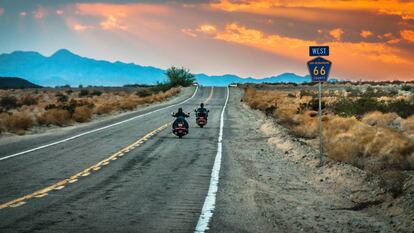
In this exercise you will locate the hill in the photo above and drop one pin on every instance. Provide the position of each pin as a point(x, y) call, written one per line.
point(16, 83)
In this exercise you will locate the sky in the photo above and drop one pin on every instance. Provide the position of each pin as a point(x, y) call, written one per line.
point(369, 40)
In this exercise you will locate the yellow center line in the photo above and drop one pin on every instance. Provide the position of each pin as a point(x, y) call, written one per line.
point(86, 172)
point(61, 184)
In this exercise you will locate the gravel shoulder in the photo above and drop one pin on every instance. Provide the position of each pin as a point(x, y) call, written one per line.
point(270, 183)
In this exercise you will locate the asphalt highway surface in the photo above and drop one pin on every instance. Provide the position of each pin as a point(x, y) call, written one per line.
point(125, 174)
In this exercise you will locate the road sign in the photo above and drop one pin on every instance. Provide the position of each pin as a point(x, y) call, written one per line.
point(319, 69)
point(318, 51)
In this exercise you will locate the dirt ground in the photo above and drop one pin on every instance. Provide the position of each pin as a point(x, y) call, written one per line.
point(270, 182)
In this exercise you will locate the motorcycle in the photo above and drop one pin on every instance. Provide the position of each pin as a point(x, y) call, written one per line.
point(201, 119)
point(180, 128)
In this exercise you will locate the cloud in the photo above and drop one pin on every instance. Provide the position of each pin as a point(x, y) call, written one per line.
point(1, 11)
point(120, 16)
point(366, 33)
point(404, 9)
point(40, 13)
point(112, 22)
point(368, 55)
point(407, 35)
point(206, 28)
point(23, 14)
point(59, 12)
point(336, 33)
point(189, 32)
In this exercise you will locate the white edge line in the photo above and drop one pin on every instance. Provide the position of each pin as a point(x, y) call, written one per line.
point(210, 201)
point(94, 130)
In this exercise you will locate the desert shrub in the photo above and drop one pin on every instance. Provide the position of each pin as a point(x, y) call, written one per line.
point(61, 97)
point(308, 93)
point(313, 105)
point(306, 125)
point(83, 93)
point(179, 77)
point(407, 127)
point(403, 108)
point(143, 92)
point(105, 108)
point(59, 117)
point(347, 107)
point(378, 118)
point(9, 102)
point(82, 114)
point(69, 91)
point(407, 88)
point(354, 142)
point(128, 105)
point(160, 87)
point(96, 93)
point(18, 123)
point(28, 100)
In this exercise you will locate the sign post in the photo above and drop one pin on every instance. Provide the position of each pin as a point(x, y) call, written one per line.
point(319, 69)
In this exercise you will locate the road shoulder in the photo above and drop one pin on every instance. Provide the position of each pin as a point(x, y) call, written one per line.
point(262, 191)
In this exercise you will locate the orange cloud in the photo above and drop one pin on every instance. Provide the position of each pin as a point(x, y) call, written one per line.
point(407, 35)
point(366, 33)
point(404, 9)
point(206, 28)
point(336, 33)
point(368, 55)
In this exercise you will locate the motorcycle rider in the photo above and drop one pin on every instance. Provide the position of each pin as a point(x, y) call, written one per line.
point(180, 115)
point(202, 111)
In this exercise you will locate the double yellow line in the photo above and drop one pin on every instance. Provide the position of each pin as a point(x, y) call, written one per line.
point(86, 172)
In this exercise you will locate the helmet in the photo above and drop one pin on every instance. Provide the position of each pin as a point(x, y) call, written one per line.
point(202, 105)
point(180, 110)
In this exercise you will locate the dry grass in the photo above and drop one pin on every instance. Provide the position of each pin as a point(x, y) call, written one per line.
point(378, 118)
point(17, 123)
point(61, 107)
point(59, 117)
point(378, 141)
point(82, 114)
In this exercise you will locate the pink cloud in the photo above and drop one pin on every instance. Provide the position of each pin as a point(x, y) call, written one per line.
point(40, 13)
point(23, 14)
point(59, 12)
point(1, 11)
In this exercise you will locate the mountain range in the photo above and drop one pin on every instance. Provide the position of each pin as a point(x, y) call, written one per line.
point(67, 68)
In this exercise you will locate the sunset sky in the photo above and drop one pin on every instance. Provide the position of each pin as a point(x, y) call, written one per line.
point(370, 40)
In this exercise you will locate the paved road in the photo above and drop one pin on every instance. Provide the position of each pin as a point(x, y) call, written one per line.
point(95, 184)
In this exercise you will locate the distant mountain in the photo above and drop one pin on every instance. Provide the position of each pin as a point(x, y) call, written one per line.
point(16, 83)
point(65, 67)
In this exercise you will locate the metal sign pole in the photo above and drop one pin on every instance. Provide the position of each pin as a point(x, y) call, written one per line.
point(319, 69)
point(320, 125)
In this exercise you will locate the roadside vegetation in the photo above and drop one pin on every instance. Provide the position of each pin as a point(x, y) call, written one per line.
point(371, 128)
point(23, 109)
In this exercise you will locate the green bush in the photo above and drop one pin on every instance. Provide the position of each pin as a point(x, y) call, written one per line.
point(179, 77)
point(160, 87)
point(345, 107)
